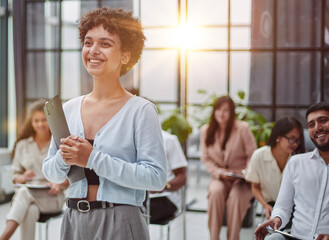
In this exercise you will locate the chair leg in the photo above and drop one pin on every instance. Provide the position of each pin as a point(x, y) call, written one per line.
point(47, 230)
point(168, 232)
point(39, 230)
point(184, 226)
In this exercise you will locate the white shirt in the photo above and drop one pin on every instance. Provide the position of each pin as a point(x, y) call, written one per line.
point(175, 159)
point(305, 183)
point(263, 169)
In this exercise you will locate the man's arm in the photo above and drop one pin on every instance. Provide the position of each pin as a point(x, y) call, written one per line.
point(179, 180)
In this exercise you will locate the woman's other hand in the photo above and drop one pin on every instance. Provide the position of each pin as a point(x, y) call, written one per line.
point(75, 150)
point(54, 188)
point(268, 211)
point(28, 175)
point(57, 188)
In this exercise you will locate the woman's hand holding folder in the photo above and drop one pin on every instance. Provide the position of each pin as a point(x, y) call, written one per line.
point(75, 150)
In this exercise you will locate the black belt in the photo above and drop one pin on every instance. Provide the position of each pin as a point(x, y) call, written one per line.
point(85, 206)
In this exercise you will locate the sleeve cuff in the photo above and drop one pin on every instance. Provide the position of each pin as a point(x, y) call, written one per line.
point(283, 221)
point(61, 161)
point(91, 158)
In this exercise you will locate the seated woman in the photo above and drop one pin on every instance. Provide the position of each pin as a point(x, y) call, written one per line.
point(226, 147)
point(30, 150)
point(268, 162)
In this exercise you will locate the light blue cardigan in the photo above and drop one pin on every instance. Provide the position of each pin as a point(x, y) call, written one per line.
point(128, 154)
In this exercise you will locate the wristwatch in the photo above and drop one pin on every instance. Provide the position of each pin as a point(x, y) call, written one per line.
point(168, 186)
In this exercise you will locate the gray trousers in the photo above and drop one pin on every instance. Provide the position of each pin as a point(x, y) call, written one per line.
point(275, 236)
point(123, 222)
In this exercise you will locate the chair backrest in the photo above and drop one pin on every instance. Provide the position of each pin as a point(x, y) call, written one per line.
point(182, 210)
point(44, 217)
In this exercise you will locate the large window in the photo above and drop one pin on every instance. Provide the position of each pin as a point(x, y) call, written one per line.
point(206, 44)
point(289, 56)
point(273, 50)
point(53, 48)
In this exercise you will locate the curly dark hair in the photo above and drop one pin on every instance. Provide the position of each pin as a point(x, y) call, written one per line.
point(120, 22)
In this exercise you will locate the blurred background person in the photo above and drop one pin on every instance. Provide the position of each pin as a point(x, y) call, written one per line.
point(226, 147)
point(29, 151)
point(163, 207)
point(268, 162)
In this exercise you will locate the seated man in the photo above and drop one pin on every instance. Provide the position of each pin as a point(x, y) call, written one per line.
point(164, 207)
point(305, 183)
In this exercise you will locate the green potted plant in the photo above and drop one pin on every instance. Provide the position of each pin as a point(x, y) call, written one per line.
point(257, 122)
point(178, 125)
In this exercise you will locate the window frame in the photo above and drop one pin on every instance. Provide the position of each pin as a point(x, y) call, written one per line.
point(4, 73)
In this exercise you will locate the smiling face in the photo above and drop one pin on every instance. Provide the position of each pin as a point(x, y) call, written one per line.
point(39, 123)
point(101, 53)
point(318, 128)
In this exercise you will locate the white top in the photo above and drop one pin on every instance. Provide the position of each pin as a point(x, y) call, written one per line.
point(264, 169)
point(28, 156)
point(305, 183)
point(175, 159)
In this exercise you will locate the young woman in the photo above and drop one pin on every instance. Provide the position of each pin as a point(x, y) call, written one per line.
point(268, 162)
point(116, 137)
point(30, 150)
point(226, 147)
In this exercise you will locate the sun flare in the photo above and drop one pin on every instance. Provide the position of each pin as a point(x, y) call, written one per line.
point(187, 36)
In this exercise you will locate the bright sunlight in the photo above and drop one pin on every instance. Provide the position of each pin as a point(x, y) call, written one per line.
point(187, 37)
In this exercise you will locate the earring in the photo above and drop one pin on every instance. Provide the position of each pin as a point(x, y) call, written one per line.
point(277, 140)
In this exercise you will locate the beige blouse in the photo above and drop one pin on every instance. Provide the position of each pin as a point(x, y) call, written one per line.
point(29, 156)
point(264, 169)
point(239, 148)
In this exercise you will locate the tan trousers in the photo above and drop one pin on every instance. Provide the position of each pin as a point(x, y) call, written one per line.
point(27, 204)
point(236, 196)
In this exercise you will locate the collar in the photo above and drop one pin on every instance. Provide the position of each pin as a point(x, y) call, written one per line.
point(316, 155)
point(30, 139)
point(268, 156)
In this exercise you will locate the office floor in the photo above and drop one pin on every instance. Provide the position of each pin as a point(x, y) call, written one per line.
point(196, 221)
